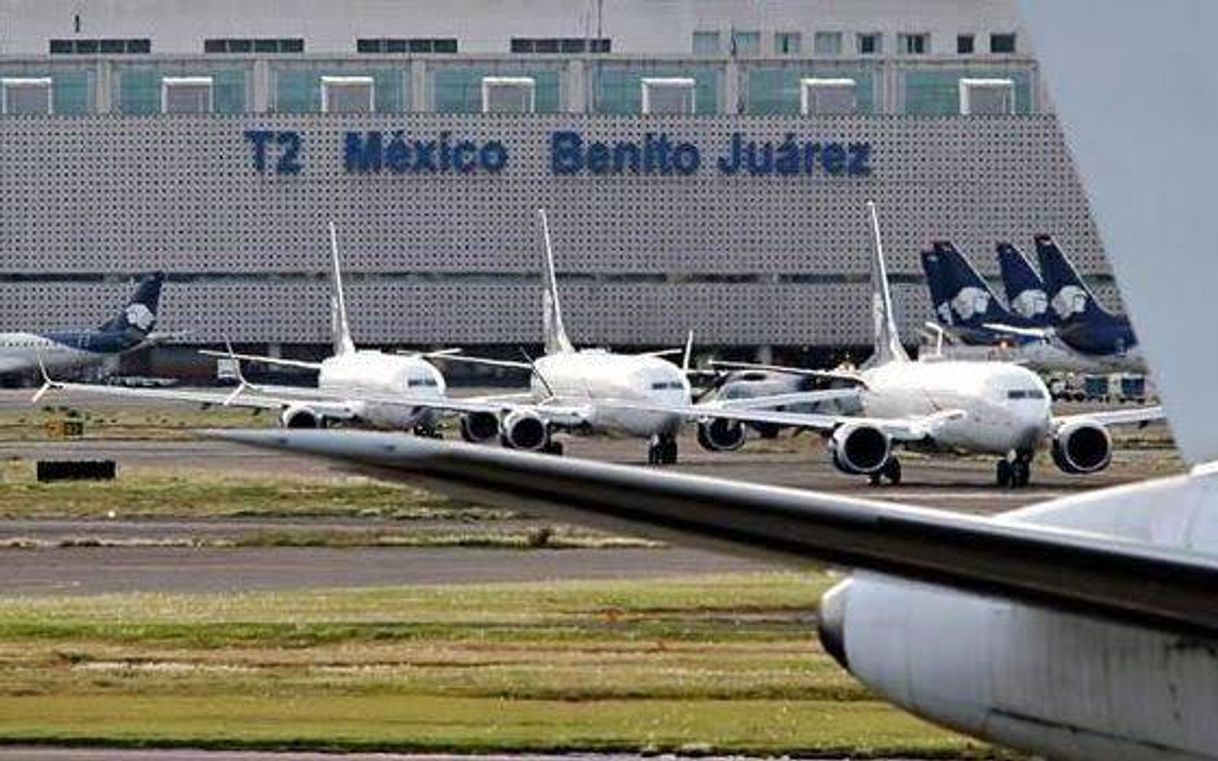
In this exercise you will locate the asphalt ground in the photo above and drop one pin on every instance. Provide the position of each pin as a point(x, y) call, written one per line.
point(135, 563)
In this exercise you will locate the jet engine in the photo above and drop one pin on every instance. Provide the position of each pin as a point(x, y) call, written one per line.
point(720, 435)
point(859, 450)
point(525, 430)
point(479, 427)
point(1082, 447)
point(300, 416)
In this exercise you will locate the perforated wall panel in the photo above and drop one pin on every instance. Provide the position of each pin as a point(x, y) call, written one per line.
point(446, 257)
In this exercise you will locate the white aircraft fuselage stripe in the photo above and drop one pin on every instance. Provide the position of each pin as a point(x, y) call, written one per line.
point(20, 352)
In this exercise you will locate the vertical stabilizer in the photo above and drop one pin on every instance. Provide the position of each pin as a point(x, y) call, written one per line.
point(888, 346)
point(1025, 290)
point(960, 295)
point(139, 315)
point(1069, 296)
point(556, 341)
point(1148, 175)
point(340, 327)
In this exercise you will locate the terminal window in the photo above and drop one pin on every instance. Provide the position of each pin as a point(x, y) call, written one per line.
point(964, 44)
point(560, 45)
point(913, 44)
point(100, 47)
point(347, 95)
point(987, 97)
point(668, 95)
point(187, 95)
point(787, 43)
point(870, 43)
point(1002, 43)
point(406, 45)
point(827, 96)
point(827, 43)
point(746, 43)
point(25, 96)
point(254, 45)
point(509, 95)
point(706, 43)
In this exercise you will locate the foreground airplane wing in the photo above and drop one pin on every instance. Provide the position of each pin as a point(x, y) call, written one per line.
point(1117, 579)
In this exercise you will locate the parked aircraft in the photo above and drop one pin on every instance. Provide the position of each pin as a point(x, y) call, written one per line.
point(968, 310)
point(1082, 628)
point(344, 380)
point(129, 330)
point(995, 408)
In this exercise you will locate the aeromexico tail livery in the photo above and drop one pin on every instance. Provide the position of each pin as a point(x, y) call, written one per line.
point(968, 309)
point(128, 330)
point(1025, 291)
point(1078, 317)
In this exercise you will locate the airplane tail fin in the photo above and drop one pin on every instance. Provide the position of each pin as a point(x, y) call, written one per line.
point(139, 315)
point(1068, 295)
point(961, 296)
point(888, 346)
point(556, 341)
point(1025, 290)
point(340, 328)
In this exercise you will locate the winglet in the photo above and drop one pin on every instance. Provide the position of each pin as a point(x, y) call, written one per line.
point(242, 384)
point(689, 351)
point(888, 346)
point(47, 383)
point(555, 334)
point(341, 328)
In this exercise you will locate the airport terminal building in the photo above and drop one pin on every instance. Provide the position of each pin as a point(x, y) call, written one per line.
point(705, 164)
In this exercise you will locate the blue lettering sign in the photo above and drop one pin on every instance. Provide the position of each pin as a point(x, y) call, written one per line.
point(791, 158)
point(373, 151)
point(289, 145)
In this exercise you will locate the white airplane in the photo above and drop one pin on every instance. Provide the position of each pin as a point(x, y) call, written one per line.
point(1079, 629)
point(997, 408)
point(343, 380)
point(129, 330)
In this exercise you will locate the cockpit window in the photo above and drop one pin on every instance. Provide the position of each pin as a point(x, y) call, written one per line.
point(416, 382)
point(1030, 393)
point(662, 385)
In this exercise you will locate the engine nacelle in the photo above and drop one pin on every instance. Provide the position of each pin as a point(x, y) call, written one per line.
point(720, 435)
point(479, 427)
point(300, 416)
point(1082, 448)
point(525, 430)
point(860, 450)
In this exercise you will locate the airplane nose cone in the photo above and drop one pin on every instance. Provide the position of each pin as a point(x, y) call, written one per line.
point(831, 623)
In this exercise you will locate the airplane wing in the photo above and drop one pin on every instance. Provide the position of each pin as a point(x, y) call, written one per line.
point(826, 374)
point(1119, 579)
point(899, 429)
point(515, 365)
point(1041, 333)
point(302, 363)
point(239, 397)
point(782, 400)
point(1135, 416)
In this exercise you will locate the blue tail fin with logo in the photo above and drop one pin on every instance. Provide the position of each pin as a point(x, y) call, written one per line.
point(1025, 291)
point(961, 297)
point(1069, 296)
point(139, 315)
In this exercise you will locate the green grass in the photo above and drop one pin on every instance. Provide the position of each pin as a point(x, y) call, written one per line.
point(721, 664)
point(159, 494)
point(103, 419)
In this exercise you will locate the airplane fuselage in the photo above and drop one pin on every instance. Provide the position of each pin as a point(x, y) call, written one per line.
point(1006, 407)
point(21, 352)
point(1061, 684)
point(374, 372)
point(596, 378)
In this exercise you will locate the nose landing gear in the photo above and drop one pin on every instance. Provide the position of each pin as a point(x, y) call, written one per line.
point(662, 450)
point(1015, 472)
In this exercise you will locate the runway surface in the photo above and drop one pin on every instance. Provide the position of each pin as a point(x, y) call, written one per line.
point(951, 483)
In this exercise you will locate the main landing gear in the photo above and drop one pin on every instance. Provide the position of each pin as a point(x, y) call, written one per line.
point(890, 471)
point(1015, 472)
point(662, 450)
